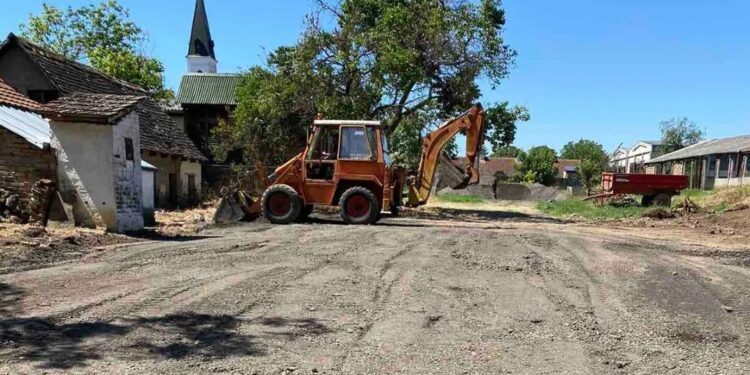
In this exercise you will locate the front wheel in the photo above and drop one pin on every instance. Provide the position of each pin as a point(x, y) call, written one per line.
point(359, 206)
point(281, 204)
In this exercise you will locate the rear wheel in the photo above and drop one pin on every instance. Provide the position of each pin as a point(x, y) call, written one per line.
point(281, 204)
point(359, 206)
point(663, 200)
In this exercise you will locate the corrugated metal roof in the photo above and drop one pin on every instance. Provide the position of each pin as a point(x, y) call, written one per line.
point(208, 88)
point(30, 126)
point(710, 147)
point(147, 166)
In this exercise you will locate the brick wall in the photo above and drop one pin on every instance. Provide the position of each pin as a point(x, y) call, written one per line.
point(22, 164)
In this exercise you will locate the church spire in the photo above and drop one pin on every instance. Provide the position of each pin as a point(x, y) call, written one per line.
point(201, 56)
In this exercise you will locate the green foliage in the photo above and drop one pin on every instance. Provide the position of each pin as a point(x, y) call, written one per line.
point(459, 198)
point(678, 133)
point(593, 158)
point(538, 165)
point(502, 122)
point(586, 210)
point(507, 152)
point(411, 64)
point(101, 35)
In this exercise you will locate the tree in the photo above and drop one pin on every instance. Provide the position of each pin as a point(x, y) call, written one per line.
point(593, 158)
point(104, 37)
point(538, 165)
point(507, 152)
point(411, 64)
point(678, 133)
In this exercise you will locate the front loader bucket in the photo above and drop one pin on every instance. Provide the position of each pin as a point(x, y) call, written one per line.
point(237, 206)
point(452, 175)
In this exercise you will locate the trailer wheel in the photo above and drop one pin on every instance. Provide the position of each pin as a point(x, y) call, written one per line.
point(647, 200)
point(663, 200)
point(359, 206)
point(281, 204)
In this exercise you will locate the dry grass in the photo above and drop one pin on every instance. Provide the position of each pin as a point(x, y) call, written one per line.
point(185, 221)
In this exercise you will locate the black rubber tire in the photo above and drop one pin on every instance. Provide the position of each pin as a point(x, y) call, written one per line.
point(369, 213)
point(295, 204)
point(647, 200)
point(305, 212)
point(663, 200)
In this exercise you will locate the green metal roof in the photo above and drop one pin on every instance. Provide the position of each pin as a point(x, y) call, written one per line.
point(208, 88)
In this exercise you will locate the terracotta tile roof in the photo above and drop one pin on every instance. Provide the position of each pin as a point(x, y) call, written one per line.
point(159, 133)
point(91, 108)
point(12, 98)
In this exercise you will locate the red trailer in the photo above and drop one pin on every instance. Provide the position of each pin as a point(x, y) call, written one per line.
point(655, 188)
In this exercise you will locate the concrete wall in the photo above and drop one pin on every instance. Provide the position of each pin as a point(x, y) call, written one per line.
point(127, 173)
point(22, 164)
point(149, 200)
point(85, 175)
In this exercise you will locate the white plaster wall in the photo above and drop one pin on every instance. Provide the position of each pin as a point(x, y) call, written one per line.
point(149, 201)
point(128, 183)
point(85, 177)
point(201, 64)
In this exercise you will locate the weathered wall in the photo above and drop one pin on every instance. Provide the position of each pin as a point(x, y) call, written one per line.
point(85, 175)
point(127, 174)
point(165, 166)
point(22, 164)
point(188, 168)
point(20, 72)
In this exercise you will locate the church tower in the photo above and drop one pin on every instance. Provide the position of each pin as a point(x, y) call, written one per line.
point(201, 57)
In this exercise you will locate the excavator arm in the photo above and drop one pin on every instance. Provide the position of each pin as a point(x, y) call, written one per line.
point(473, 123)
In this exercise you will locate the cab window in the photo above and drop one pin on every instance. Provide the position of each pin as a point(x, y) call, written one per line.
point(355, 143)
point(325, 144)
point(386, 156)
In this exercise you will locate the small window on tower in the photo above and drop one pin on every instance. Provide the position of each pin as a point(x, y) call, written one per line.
point(129, 149)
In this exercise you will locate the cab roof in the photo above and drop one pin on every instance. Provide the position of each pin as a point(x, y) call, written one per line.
point(346, 122)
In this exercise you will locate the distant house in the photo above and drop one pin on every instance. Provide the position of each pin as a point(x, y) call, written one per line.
point(634, 159)
point(709, 164)
point(44, 76)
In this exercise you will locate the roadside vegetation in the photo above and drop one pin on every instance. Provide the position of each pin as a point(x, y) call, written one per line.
point(717, 201)
point(577, 208)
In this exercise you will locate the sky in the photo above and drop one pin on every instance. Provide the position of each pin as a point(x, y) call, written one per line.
point(606, 70)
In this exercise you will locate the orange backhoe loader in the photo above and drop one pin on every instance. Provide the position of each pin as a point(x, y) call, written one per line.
point(346, 163)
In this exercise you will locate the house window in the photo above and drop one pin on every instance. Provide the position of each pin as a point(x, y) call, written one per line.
point(129, 149)
point(355, 143)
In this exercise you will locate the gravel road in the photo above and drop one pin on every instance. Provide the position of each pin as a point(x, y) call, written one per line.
point(513, 294)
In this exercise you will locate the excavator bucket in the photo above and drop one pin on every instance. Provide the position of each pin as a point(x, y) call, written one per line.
point(452, 175)
point(237, 206)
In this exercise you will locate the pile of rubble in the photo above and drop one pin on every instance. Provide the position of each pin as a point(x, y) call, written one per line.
point(13, 210)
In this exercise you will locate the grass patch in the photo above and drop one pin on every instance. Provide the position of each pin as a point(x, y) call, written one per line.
point(715, 200)
point(587, 210)
point(458, 198)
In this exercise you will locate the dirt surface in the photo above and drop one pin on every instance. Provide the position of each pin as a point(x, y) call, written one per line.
point(463, 292)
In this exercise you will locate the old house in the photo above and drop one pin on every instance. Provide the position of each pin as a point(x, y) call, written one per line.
point(96, 138)
point(43, 76)
point(634, 159)
point(25, 153)
point(205, 97)
point(709, 164)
